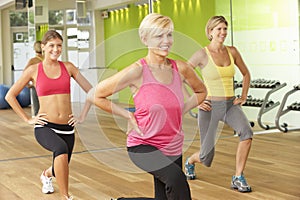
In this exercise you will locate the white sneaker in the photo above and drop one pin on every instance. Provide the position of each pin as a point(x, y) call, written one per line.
point(47, 184)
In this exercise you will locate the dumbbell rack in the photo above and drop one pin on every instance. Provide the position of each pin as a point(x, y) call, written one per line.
point(265, 104)
point(281, 111)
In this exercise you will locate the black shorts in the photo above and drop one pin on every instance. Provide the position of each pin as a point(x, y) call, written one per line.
point(57, 138)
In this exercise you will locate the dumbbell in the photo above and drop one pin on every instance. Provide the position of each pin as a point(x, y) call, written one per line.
point(297, 87)
point(253, 102)
point(254, 83)
point(274, 84)
point(239, 84)
point(268, 84)
point(262, 83)
point(259, 102)
point(249, 97)
point(295, 106)
point(269, 104)
point(298, 107)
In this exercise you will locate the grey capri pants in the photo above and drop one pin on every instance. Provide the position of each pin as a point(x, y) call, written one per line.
point(208, 122)
point(57, 138)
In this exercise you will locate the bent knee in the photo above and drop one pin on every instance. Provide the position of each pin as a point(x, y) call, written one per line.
point(62, 150)
point(246, 134)
point(207, 159)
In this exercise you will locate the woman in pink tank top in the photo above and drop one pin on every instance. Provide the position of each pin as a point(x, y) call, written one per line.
point(54, 123)
point(155, 136)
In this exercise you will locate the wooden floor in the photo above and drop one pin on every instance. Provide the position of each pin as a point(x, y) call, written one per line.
point(100, 168)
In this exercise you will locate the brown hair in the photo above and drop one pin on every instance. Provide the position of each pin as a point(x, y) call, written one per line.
point(212, 23)
point(37, 47)
point(51, 34)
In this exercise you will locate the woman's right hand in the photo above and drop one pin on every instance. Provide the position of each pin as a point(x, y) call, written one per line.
point(132, 125)
point(205, 105)
point(38, 119)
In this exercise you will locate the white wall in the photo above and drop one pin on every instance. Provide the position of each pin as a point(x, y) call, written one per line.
point(6, 47)
point(271, 55)
point(6, 3)
point(102, 4)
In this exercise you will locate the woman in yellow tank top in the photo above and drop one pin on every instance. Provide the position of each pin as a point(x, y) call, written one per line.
point(217, 64)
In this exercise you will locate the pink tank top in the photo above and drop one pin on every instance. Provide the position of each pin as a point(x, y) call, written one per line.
point(158, 111)
point(48, 86)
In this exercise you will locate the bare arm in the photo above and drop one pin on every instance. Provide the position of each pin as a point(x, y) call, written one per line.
point(239, 62)
point(14, 91)
point(30, 62)
point(86, 86)
point(199, 58)
point(114, 84)
point(190, 78)
point(127, 77)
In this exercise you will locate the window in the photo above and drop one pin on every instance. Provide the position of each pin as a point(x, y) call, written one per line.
point(85, 21)
point(56, 17)
point(18, 19)
point(71, 17)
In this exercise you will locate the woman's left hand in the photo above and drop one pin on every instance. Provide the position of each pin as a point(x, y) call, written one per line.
point(132, 125)
point(74, 120)
point(239, 100)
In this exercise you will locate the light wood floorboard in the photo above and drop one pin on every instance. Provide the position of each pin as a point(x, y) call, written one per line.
point(100, 168)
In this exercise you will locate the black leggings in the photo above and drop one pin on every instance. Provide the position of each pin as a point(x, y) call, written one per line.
point(169, 180)
point(55, 142)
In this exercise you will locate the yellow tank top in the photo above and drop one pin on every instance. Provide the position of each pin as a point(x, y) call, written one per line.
point(219, 79)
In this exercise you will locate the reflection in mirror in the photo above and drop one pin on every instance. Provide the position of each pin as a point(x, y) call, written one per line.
point(84, 35)
point(41, 18)
point(56, 17)
point(72, 43)
point(22, 51)
point(31, 29)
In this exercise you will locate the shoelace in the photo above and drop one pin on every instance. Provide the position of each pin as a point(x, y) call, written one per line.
point(49, 181)
point(190, 168)
point(243, 180)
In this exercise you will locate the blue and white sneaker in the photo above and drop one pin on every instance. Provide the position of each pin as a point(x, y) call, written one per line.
point(240, 183)
point(189, 170)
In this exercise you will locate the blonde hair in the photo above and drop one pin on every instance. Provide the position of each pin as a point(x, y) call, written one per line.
point(212, 23)
point(153, 24)
point(37, 47)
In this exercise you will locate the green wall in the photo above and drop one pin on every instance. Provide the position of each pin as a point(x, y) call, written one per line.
point(122, 43)
point(42, 30)
point(253, 21)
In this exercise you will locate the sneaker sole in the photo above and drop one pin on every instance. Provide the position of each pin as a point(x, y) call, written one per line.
point(190, 177)
point(243, 191)
point(47, 191)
